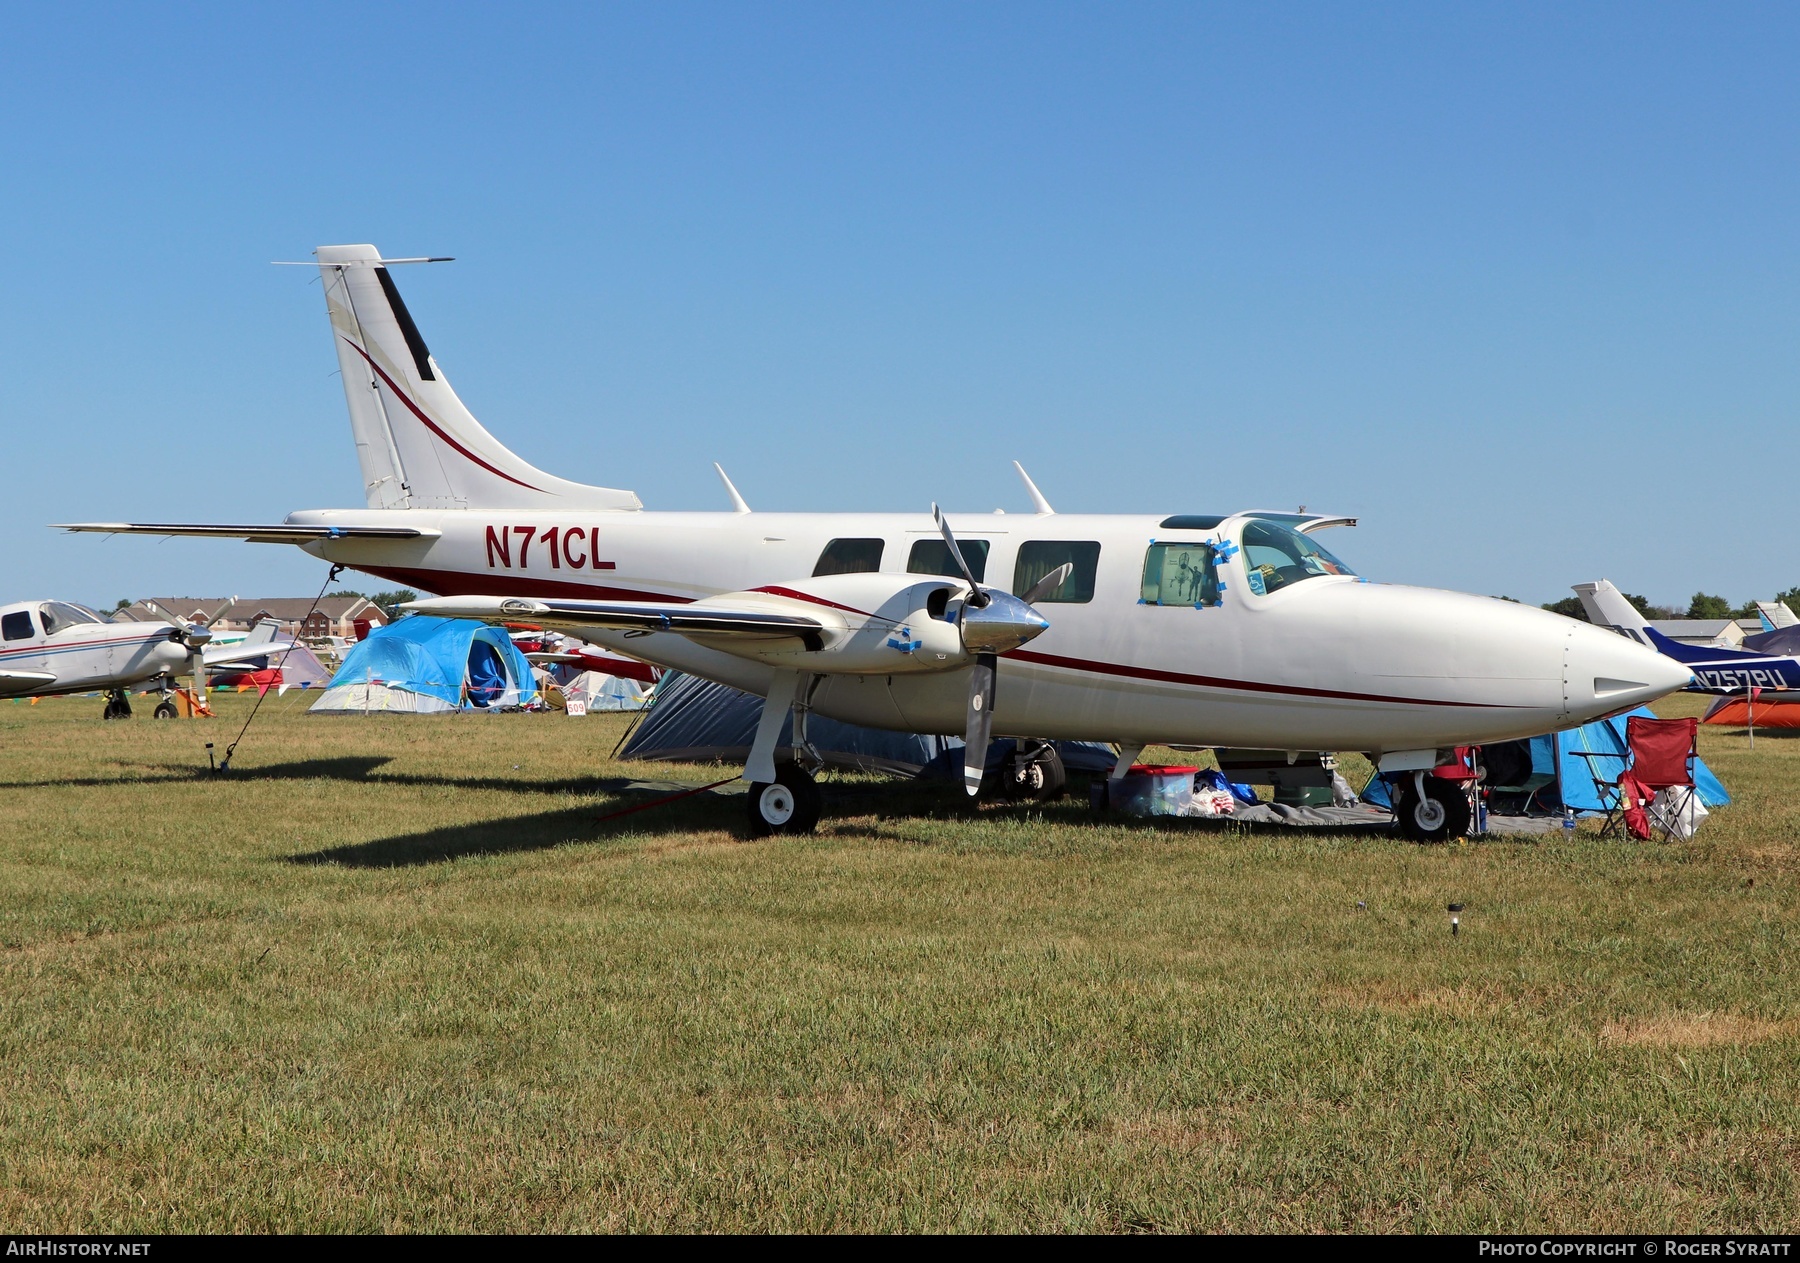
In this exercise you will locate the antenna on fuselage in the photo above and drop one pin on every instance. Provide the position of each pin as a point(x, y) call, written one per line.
point(737, 501)
point(1037, 497)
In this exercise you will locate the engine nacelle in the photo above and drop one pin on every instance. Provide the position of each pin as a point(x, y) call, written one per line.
point(877, 624)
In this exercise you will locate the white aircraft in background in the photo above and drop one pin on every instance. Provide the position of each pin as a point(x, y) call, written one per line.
point(1223, 629)
point(48, 648)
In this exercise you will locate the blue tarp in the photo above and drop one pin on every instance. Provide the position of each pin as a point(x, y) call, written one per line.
point(697, 719)
point(1572, 784)
point(459, 663)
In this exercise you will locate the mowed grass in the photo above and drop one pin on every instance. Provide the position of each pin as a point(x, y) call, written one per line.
point(392, 974)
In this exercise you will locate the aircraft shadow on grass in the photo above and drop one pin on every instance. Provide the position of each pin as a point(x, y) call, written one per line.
point(610, 818)
point(630, 807)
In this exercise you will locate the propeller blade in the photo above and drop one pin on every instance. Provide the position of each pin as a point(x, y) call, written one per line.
point(978, 596)
point(197, 668)
point(981, 722)
point(1048, 584)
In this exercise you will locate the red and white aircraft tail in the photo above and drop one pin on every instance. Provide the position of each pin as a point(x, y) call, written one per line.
point(420, 448)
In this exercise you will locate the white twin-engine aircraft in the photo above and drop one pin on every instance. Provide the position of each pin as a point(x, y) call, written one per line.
point(49, 648)
point(1221, 629)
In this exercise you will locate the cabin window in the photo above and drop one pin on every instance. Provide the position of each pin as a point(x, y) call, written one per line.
point(932, 556)
point(850, 556)
point(1276, 557)
point(1180, 574)
point(17, 625)
point(1039, 557)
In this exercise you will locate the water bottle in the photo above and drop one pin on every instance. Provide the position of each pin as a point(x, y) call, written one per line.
point(1568, 822)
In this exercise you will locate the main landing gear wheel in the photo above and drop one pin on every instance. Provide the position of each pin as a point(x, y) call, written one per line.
point(1438, 815)
point(1035, 774)
point(166, 710)
point(118, 705)
point(788, 804)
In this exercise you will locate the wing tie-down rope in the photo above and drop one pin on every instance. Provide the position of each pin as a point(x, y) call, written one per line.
point(659, 802)
point(225, 763)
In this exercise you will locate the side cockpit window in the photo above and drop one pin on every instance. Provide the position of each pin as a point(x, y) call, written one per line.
point(1180, 574)
point(1276, 557)
point(1038, 557)
point(850, 556)
point(17, 625)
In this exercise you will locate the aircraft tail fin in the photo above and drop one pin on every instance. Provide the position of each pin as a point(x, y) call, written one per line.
point(263, 633)
point(419, 447)
point(1776, 615)
point(1606, 606)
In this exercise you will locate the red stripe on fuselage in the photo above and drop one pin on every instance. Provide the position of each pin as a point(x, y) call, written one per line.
point(1215, 682)
point(433, 426)
point(55, 646)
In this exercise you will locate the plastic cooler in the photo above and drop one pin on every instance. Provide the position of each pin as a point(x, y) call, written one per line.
point(1153, 789)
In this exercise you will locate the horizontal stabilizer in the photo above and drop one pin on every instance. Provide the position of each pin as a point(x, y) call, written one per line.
point(245, 651)
point(686, 620)
point(275, 534)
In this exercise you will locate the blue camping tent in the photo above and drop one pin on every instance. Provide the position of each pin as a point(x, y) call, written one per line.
point(1569, 782)
point(424, 664)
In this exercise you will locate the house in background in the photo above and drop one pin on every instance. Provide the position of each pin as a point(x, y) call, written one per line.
point(335, 615)
point(192, 609)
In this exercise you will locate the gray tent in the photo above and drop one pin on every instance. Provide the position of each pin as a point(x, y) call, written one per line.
point(698, 720)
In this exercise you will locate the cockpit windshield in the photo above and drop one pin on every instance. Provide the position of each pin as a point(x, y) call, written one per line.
point(57, 615)
point(1276, 557)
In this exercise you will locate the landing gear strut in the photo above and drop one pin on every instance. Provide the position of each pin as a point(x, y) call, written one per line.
point(165, 707)
point(783, 798)
point(118, 705)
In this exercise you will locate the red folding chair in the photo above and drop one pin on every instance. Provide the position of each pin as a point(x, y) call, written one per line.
point(1659, 754)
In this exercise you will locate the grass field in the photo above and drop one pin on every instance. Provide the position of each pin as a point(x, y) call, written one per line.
point(390, 974)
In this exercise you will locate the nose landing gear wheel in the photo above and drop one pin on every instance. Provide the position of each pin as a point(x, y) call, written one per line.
point(788, 804)
point(1438, 815)
point(1036, 775)
point(165, 710)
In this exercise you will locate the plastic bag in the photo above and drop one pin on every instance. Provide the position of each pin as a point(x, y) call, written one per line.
point(1678, 811)
point(1211, 802)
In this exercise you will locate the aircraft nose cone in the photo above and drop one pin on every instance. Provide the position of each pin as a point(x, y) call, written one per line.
point(1603, 673)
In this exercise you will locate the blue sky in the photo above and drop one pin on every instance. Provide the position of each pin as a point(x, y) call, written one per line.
point(1517, 284)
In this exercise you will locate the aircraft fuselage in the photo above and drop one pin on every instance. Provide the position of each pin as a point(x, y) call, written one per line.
point(1331, 663)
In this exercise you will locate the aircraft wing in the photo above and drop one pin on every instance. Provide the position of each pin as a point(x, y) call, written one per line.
point(653, 616)
point(279, 533)
point(12, 682)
